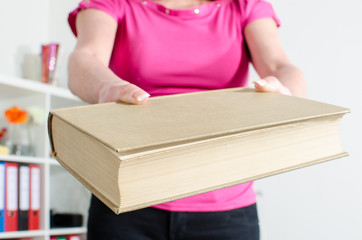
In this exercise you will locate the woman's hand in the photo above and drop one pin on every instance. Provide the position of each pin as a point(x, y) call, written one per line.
point(270, 61)
point(122, 91)
point(271, 84)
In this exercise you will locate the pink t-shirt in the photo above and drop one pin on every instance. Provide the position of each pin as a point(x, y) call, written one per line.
point(166, 51)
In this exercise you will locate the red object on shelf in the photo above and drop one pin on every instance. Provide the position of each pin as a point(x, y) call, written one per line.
point(44, 63)
point(11, 196)
point(73, 237)
point(2, 133)
point(34, 207)
point(49, 54)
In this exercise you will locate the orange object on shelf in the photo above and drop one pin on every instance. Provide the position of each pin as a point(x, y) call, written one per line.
point(16, 115)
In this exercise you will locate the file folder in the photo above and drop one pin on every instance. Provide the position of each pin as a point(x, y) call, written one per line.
point(2, 196)
point(24, 196)
point(34, 208)
point(11, 197)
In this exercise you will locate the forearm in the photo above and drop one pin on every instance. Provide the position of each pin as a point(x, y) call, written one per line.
point(270, 60)
point(88, 76)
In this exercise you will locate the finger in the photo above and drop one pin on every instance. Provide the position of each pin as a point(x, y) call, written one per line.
point(271, 84)
point(132, 94)
point(263, 85)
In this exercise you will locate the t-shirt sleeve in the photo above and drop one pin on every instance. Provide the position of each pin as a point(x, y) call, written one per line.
point(111, 7)
point(257, 9)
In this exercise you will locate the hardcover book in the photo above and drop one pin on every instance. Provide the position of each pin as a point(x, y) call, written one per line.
point(135, 156)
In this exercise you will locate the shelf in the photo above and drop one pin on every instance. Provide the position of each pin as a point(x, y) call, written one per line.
point(59, 189)
point(19, 86)
point(26, 159)
point(67, 231)
point(22, 159)
point(39, 233)
point(53, 162)
point(22, 234)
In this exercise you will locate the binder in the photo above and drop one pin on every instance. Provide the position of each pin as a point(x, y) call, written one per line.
point(24, 200)
point(34, 208)
point(11, 196)
point(2, 196)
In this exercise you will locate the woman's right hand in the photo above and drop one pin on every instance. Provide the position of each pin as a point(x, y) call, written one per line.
point(124, 91)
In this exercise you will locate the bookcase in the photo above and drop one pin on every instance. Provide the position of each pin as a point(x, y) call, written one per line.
point(60, 191)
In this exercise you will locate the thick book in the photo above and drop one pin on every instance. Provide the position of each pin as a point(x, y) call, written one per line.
point(134, 156)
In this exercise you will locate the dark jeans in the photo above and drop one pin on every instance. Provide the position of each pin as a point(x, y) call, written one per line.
point(155, 224)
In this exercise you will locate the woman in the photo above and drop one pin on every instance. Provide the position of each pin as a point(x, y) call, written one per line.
point(129, 50)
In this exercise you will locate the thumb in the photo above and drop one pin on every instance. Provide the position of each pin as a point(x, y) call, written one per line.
point(263, 85)
point(271, 84)
point(132, 94)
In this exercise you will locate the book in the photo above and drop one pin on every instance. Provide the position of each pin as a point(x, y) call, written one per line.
point(135, 156)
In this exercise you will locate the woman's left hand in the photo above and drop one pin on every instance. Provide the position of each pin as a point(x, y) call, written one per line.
point(271, 84)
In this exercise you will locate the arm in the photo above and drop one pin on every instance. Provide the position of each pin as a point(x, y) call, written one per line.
point(270, 62)
point(89, 75)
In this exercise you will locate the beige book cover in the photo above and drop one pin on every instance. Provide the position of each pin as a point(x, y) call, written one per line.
point(134, 156)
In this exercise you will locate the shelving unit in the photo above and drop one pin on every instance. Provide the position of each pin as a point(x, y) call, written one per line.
point(60, 191)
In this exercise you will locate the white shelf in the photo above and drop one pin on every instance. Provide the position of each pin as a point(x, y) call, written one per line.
point(22, 159)
point(22, 234)
point(26, 159)
point(62, 231)
point(60, 191)
point(34, 86)
point(53, 162)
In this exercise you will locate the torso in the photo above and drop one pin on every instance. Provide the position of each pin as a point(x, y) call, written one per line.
point(168, 51)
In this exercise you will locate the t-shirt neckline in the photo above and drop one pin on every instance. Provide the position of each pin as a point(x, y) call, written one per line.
point(195, 12)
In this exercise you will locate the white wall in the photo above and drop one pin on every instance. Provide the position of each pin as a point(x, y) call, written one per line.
point(324, 39)
point(23, 26)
